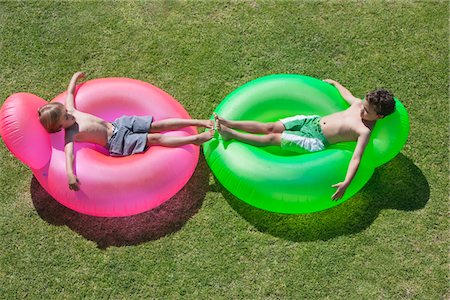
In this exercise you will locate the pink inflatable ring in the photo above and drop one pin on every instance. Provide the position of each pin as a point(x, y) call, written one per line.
point(109, 186)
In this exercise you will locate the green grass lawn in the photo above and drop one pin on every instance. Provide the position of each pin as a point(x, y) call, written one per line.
point(390, 241)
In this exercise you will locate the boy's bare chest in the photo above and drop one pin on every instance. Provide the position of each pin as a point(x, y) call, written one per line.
point(92, 130)
point(342, 126)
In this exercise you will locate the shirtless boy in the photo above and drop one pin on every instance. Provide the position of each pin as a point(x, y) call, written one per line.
point(125, 136)
point(314, 133)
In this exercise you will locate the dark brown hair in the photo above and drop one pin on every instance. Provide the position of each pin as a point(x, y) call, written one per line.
point(382, 100)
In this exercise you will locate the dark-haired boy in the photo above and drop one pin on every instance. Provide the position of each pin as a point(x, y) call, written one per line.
point(314, 133)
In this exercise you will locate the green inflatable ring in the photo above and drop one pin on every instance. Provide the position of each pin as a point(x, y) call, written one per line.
point(279, 181)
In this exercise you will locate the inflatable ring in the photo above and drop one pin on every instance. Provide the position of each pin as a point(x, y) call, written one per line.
point(279, 181)
point(109, 186)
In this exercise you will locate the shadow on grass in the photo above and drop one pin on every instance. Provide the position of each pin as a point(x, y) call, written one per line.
point(169, 217)
point(398, 184)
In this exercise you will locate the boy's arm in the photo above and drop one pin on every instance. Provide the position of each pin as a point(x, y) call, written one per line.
point(348, 97)
point(68, 150)
point(70, 98)
point(361, 144)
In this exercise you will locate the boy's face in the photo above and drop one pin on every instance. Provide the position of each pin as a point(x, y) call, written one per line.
point(66, 120)
point(368, 112)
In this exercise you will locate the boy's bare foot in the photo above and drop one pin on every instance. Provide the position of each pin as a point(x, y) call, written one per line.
point(220, 121)
point(204, 137)
point(226, 132)
point(206, 123)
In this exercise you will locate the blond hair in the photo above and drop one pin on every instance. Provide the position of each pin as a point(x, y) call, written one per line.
point(49, 115)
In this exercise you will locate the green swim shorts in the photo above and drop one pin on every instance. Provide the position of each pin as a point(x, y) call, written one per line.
point(303, 133)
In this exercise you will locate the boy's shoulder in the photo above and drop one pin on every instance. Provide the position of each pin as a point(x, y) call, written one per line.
point(69, 133)
point(355, 105)
point(359, 102)
point(355, 120)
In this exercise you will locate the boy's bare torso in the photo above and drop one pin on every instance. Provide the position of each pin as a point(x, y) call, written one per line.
point(89, 129)
point(346, 125)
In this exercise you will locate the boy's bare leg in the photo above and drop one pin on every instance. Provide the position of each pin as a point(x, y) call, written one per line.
point(251, 126)
point(248, 138)
point(154, 139)
point(175, 123)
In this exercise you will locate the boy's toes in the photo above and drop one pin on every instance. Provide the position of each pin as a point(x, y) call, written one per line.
point(204, 137)
point(218, 121)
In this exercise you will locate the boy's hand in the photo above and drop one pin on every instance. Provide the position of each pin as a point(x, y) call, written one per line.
point(341, 187)
point(73, 182)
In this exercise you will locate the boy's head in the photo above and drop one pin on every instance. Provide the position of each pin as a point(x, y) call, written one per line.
point(54, 117)
point(378, 104)
point(381, 101)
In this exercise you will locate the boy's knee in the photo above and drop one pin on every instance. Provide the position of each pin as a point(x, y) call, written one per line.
point(154, 138)
point(276, 127)
point(270, 127)
point(273, 138)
